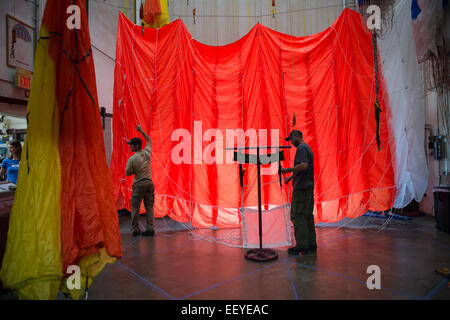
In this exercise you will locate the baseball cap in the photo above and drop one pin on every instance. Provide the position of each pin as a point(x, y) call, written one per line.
point(294, 133)
point(135, 141)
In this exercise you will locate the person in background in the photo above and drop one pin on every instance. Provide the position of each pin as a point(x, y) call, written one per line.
point(139, 164)
point(10, 166)
point(302, 195)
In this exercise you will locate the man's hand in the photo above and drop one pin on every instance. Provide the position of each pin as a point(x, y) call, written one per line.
point(139, 128)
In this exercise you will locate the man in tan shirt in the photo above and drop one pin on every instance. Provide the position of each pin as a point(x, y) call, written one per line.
point(139, 164)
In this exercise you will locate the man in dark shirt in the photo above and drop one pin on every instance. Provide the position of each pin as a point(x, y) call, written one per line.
point(302, 205)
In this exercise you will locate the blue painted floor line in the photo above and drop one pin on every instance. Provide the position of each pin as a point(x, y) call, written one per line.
point(228, 281)
point(216, 284)
point(435, 289)
point(130, 244)
point(145, 281)
point(285, 260)
point(291, 279)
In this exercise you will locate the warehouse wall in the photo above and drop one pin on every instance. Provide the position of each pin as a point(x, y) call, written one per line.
point(103, 28)
point(219, 22)
point(103, 17)
point(23, 10)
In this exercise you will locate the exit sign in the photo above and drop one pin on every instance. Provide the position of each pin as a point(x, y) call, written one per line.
point(23, 81)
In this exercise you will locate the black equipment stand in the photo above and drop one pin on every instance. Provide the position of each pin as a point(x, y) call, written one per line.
point(260, 254)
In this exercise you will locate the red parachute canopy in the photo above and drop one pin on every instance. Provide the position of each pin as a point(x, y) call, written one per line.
point(191, 96)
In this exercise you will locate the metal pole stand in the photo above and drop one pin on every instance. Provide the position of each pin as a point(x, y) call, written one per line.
point(260, 254)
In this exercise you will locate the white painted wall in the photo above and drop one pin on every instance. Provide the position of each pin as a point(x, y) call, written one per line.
point(220, 22)
point(103, 17)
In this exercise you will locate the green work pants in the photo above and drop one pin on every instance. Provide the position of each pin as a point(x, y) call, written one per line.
point(302, 217)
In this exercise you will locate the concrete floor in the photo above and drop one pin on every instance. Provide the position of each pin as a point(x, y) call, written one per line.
point(180, 265)
point(183, 264)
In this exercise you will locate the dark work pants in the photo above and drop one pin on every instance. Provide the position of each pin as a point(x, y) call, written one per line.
point(302, 217)
point(142, 190)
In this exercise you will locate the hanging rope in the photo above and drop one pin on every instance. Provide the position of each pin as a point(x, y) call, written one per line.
point(377, 87)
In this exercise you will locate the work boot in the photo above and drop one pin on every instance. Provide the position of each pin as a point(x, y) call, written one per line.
point(295, 251)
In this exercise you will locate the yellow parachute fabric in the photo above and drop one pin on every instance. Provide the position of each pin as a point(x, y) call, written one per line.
point(160, 20)
point(32, 265)
point(90, 267)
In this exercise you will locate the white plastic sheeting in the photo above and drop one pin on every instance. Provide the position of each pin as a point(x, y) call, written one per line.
point(404, 81)
point(276, 227)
